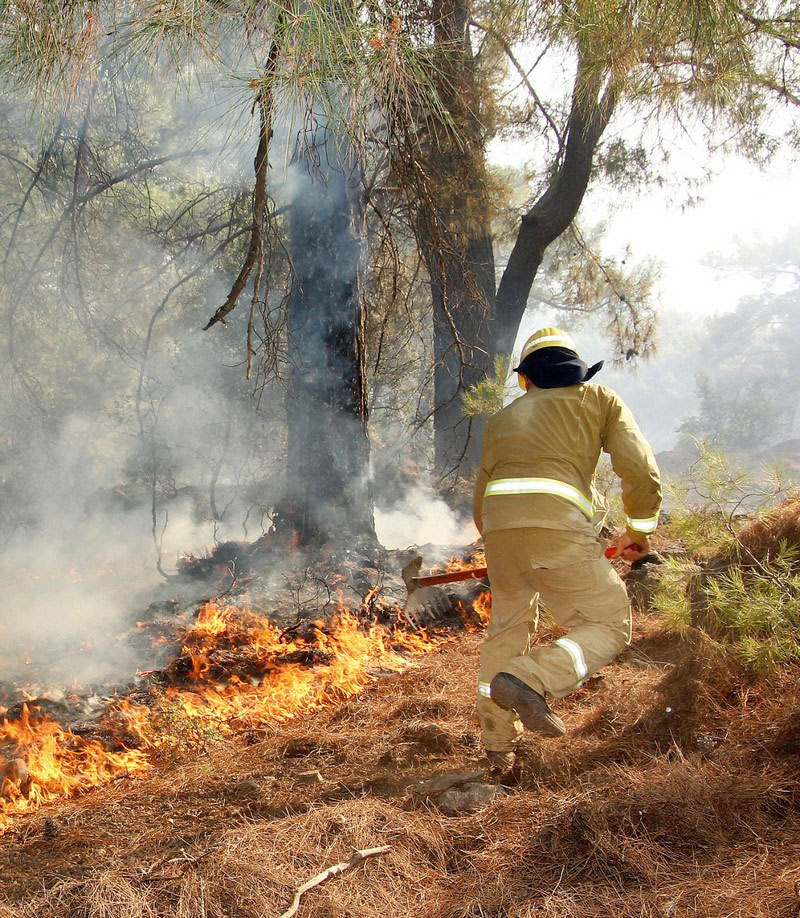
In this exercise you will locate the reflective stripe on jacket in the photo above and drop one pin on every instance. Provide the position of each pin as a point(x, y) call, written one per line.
point(540, 454)
point(541, 486)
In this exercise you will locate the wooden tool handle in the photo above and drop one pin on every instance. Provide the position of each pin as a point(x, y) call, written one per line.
point(472, 573)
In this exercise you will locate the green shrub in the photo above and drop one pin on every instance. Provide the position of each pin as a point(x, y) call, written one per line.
point(751, 613)
point(748, 605)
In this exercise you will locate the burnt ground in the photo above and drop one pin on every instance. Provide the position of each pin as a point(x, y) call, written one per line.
point(675, 793)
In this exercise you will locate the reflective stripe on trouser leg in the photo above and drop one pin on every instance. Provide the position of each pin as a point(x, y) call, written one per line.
point(582, 592)
point(484, 688)
point(576, 654)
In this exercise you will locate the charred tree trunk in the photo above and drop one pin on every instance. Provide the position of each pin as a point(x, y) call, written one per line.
point(328, 489)
point(455, 239)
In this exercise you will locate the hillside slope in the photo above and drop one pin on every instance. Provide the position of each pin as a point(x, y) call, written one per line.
point(675, 793)
point(785, 456)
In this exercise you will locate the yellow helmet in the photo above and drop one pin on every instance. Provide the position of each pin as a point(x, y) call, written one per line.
point(545, 337)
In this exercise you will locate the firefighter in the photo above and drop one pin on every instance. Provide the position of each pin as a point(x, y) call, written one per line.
point(539, 515)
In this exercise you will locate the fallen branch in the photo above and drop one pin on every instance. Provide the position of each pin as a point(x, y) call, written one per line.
point(184, 859)
point(357, 858)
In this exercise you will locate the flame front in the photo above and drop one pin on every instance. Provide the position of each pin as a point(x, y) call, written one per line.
point(476, 559)
point(236, 671)
point(59, 763)
point(483, 607)
point(346, 650)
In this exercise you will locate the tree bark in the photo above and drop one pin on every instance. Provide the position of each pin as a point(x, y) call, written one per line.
point(462, 285)
point(328, 492)
point(453, 229)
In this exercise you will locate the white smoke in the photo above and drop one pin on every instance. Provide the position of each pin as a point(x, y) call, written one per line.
point(422, 517)
point(79, 572)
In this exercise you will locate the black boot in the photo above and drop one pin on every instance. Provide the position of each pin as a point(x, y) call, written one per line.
point(509, 692)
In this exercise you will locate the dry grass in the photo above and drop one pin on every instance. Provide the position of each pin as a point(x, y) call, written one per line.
point(763, 536)
point(675, 794)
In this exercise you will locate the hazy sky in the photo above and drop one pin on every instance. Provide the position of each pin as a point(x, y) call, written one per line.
point(741, 203)
point(732, 198)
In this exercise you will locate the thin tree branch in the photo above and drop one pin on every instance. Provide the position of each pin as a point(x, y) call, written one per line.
point(523, 76)
point(256, 248)
point(34, 182)
point(100, 187)
point(357, 858)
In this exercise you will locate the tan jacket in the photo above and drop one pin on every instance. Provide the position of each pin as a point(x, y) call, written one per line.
point(558, 434)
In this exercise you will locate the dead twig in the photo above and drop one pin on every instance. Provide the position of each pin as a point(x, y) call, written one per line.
point(184, 860)
point(357, 858)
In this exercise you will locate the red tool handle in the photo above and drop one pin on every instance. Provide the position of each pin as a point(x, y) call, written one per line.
point(611, 551)
point(476, 573)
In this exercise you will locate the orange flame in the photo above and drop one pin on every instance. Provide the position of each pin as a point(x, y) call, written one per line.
point(483, 607)
point(275, 688)
point(286, 688)
point(476, 559)
point(60, 763)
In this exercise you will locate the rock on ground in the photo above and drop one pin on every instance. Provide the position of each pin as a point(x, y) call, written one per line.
point(468, 798)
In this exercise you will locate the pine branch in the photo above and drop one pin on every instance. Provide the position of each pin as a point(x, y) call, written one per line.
point(261, 164)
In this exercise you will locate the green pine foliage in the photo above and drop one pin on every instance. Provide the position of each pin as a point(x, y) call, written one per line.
point(485, 397)
point(747, 603)
point(753, 615)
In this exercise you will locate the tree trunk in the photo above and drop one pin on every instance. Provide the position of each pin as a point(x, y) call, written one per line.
point(328, 491)
point(462, 285)
point(453, 228)
point(557, 207)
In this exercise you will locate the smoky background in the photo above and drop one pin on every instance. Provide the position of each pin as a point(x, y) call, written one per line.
point(129, 437)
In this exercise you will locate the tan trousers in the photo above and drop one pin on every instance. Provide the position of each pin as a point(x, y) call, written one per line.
point(579, 588)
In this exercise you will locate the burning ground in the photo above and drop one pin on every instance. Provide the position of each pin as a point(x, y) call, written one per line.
point(260, 756)
point(232, 673)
